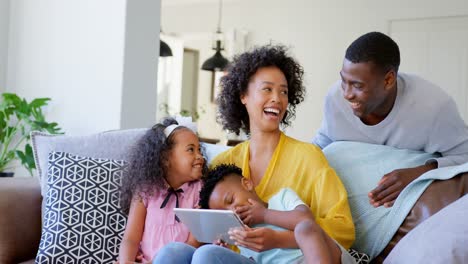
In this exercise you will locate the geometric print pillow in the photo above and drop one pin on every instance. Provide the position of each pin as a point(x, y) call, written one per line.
point(83, 222)
point(359, 257)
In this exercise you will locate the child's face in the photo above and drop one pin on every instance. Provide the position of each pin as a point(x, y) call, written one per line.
point(232, 192)
point(186, 160)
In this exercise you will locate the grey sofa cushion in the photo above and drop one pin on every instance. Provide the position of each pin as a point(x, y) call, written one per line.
point(106, 145)
point(443, 238)
point(114, 145)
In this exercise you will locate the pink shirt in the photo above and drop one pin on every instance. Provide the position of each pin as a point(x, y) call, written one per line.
point(161, 226)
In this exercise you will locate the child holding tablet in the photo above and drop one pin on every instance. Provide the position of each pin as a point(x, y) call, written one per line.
point(226, 188)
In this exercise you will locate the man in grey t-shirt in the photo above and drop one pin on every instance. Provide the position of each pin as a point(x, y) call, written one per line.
point(373, 103)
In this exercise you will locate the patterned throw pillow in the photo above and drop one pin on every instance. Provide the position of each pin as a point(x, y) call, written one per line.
point(361, 258)
point(83, 222)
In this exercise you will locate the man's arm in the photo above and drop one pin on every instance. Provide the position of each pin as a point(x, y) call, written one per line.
point(449, 136)
point(391, 184)
point(320, 139)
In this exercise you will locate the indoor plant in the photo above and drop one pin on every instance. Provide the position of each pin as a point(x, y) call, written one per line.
point(195, 114)
point(17, 119)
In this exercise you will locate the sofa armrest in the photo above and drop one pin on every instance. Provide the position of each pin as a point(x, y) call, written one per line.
point(20, 219)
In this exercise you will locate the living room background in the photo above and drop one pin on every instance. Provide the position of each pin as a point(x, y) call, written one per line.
point(97, 60)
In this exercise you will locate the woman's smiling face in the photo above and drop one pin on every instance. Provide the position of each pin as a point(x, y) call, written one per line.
point(266, 99)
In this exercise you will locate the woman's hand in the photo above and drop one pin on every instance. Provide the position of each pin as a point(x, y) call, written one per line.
point(256, 239)
point(252, 213)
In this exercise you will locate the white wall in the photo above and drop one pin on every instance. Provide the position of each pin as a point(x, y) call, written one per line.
point(97, 60)
point(4, 22)
point(317, 31)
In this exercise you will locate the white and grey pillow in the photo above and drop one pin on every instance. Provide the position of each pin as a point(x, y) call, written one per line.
point(83, 222)
point(115, 145)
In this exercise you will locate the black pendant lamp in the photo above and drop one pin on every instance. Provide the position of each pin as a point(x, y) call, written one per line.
point(164, 49)
point(217, 62)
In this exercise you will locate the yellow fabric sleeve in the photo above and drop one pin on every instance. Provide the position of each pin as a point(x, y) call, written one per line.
point(303, 168)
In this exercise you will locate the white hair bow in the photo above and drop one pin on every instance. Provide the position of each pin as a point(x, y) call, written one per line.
point(185, 121)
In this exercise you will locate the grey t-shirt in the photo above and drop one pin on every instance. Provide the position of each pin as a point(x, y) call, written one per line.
point(423, 117)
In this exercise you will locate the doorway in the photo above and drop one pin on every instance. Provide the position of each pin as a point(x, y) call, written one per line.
point(190, 81)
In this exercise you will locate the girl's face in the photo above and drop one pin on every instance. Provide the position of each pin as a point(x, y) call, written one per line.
point(185, 159)
point(266, 99)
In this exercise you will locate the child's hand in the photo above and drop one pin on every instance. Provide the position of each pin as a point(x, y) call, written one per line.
point(220, 242)
point(257, 239)
point(192, 241)
point(139, 256)
point(252, 214)
point(138, 259)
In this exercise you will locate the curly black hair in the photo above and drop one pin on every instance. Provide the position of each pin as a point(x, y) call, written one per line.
point(377, 48)
point(213, 177)
point(232, 114)
point(148, 163)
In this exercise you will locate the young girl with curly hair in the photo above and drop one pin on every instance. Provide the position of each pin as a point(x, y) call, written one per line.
point(165, 167)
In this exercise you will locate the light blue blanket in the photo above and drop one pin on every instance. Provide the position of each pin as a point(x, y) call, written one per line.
point(360, 166)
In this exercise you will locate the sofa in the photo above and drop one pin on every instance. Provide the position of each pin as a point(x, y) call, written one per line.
point(24, 210)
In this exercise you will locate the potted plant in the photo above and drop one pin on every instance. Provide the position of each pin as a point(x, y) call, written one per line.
point(17, 119)
point(183, 112)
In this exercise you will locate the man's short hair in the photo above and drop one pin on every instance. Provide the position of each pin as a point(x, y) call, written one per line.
point(377, 48)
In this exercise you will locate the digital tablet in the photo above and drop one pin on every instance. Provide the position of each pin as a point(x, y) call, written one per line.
point(208, 225)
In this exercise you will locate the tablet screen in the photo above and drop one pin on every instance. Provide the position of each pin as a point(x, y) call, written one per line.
point(208, 225)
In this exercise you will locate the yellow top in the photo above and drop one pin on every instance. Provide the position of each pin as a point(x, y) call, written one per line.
point(302, 167)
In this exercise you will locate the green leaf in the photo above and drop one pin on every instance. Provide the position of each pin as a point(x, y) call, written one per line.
point(3, 121)
point(23, 108)
point(53, 128)
point(11, 99)
point(27, 158)
point(39, 102)
point(17, 119)
point(10, 155)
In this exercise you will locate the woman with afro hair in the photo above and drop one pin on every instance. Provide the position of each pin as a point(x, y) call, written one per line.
point(259, 93)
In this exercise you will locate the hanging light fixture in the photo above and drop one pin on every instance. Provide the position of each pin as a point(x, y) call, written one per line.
point(164, 49)
point(217, 62)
